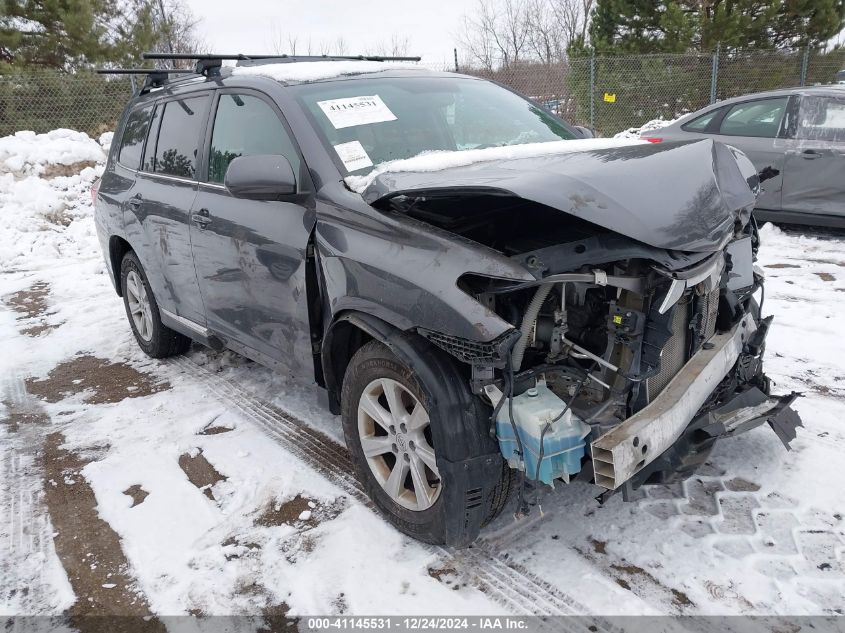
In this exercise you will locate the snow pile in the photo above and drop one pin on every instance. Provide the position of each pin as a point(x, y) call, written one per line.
point(440, 160)
point(30, 154)
point(45, 184)
point(314, 71)
point(651, 126)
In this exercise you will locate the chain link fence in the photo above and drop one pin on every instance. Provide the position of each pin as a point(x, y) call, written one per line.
point(613, 93)
point(46, 100)
point(606, 93)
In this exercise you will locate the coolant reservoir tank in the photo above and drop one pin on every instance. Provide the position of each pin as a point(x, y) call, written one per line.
point(563, 442)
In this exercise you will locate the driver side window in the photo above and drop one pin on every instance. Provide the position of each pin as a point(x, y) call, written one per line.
point(245, 125)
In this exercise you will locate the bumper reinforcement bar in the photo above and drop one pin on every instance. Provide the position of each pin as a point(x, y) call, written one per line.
point(625, 450)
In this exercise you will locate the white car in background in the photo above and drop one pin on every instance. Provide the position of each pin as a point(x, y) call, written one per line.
point(798, 133)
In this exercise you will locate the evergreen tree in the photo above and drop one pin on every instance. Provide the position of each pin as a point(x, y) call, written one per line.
point(653, 26)
point(73, 34)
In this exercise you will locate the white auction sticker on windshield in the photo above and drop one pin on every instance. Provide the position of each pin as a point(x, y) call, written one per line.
point(354, 111)
point(353, 155)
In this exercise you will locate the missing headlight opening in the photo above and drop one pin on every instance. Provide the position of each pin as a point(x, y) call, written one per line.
point(625, 362)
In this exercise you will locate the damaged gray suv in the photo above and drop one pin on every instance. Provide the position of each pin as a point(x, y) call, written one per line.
point(491, 300)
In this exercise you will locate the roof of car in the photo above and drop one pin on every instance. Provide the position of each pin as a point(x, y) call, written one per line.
point(289, 73)
point(782, 92)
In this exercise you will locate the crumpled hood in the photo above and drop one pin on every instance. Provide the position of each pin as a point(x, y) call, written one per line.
point(681, 196)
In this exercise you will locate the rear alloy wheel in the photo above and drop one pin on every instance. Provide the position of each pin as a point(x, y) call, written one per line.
point(155, 338)
point(138, 304)
point(395, 434)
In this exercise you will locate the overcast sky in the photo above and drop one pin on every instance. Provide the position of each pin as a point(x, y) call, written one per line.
point(250, 26)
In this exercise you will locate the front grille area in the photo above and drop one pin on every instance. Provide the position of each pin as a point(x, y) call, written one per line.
point(674, 354)
point(474, 352)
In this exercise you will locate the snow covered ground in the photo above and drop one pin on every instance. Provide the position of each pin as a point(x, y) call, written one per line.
point(210, 485)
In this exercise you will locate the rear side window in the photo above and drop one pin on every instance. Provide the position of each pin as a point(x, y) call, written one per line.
point(700, 124)
point(179, 137)
point(822, 119)
point(134, 133)
point(760, 118)
point(245, 125)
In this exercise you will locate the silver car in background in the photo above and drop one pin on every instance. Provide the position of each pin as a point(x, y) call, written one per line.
point(797, 132)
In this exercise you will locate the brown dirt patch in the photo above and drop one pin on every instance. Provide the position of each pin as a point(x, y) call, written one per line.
point(215, 430)
point(439, 573)
point(19, 415)
point(31, 302)
point(679, 598)
point(55, 170)
point(782, 266)
point(276, 619)
point(448, 576)
point(137, 493)
point(200, 472)
point(39, 329)
point(90, 551)
point(634, 578)
point(108, 382)
point(288, 513)
point(599, 547)
point(825, 276)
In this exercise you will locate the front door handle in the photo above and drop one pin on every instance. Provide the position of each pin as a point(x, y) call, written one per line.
point(811, 154)
point(201, 218)
point(135, 202)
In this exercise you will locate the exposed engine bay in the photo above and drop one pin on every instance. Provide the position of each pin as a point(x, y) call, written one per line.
point(608, 326)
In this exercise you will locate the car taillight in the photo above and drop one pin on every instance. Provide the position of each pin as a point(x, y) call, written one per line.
point(652, 139)
point(94, 189)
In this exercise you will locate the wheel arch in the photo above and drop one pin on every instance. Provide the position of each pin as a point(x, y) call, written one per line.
point(347, 333)
point(468, 458)
point(118, 247)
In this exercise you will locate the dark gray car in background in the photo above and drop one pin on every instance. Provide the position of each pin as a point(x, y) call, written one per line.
point(530, 314)
point(799, 132)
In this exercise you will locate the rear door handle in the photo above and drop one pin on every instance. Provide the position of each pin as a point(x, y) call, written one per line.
point(201, 218)
point(811, 154)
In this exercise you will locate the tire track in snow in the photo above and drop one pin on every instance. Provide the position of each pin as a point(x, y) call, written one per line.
point(26, 531)
point(511, 585)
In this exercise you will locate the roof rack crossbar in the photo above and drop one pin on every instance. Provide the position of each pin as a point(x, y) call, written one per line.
point(244, 57)
point(143, 71)
point(155, 77)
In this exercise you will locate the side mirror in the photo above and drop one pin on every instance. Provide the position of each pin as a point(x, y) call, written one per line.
point(585, 131)
point(260, 177)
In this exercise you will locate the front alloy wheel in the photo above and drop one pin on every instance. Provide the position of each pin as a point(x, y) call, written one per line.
point(395, 434)
point(419, 442)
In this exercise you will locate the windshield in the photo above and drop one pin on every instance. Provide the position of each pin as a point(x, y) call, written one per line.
point(364, 122)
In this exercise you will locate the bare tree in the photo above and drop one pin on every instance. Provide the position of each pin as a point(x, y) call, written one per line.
point(397, 46)
point(498, 33)
point(477, 39)
point(339, 46)
point(501, 33)
point(290, 44)
point(545, 38)
point(176, 27)
point(573, 18)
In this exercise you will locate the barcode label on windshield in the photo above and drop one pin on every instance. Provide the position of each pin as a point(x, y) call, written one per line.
point(353, 155)
point(354, 111)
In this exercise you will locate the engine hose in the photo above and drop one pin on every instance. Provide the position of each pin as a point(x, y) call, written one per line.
point(528, 321)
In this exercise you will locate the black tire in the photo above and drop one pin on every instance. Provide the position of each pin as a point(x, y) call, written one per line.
point(461, 434)
point(163, 341)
